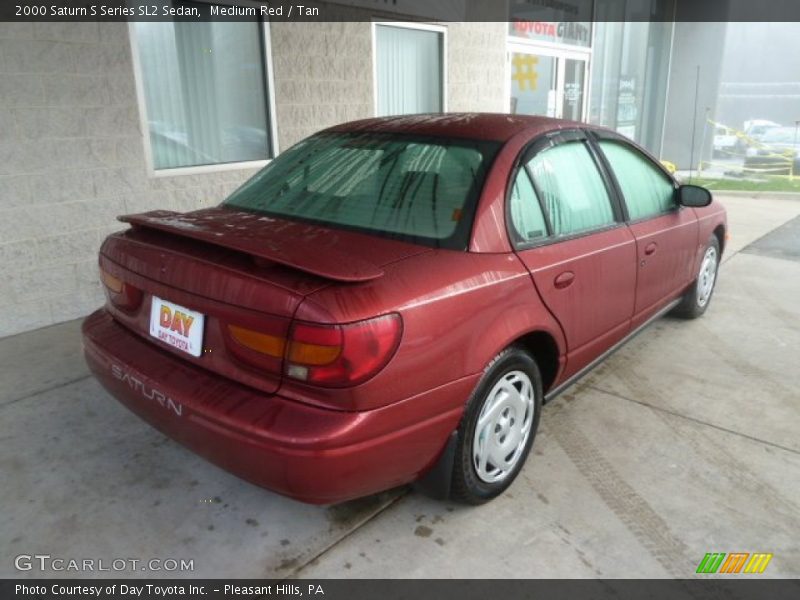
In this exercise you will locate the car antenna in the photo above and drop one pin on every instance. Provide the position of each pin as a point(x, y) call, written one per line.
point(694, 122)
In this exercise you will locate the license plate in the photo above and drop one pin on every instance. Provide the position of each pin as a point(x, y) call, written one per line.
point(177, 326)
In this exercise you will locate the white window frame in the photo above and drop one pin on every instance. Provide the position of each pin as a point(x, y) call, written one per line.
point(212, 168)
point(407, 25)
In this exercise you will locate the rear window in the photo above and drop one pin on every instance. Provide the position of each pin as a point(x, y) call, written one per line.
point(419, 189)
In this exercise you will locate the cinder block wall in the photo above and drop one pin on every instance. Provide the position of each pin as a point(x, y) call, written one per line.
point(323, 73)
point(323, 76)
point(72, 149)
point(71, 160)
point(476, 67)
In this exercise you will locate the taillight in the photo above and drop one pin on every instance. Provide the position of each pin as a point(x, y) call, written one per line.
point(114, 284)
point(271, 345)
point(261, 344)
point(341, 355)
point(121, 294)
point(325, 355)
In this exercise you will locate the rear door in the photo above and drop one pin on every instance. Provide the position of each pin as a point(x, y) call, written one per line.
point(568, 229)
point(666, 233)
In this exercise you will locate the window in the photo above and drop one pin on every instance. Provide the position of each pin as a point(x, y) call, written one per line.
point(204, 86)
point(572, 191)
point(526, 213)
point(647, 190)
point(420, 189)
point(409, 69)
point(631, 68)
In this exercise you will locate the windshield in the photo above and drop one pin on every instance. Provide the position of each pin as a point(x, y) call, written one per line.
point(419, 189)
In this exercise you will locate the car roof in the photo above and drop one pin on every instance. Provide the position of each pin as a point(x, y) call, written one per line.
point(497, 127)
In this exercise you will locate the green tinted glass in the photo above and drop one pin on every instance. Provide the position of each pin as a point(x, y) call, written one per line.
point(526, 213)
point(572, 190)
point(409, 187)
point(647, 190)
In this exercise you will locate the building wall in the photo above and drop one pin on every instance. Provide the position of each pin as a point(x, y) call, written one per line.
point(71, 159)
point(323, 76)
point(72, 149)
point(476, 55)
point(323, 73)
point(695, 46)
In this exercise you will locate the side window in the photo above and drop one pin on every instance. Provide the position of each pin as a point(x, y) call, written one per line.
point(572, 190)
point(526, 213)
point(647, 190)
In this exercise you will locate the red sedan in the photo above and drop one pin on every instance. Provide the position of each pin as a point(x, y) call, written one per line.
point(393, 300)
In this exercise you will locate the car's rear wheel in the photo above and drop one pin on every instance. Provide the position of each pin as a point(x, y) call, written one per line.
point(697, 299)
point(498, 427)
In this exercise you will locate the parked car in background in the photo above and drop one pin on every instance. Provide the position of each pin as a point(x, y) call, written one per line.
point(725, 142)
point(757, 128)
point(393, 300)
point(778, 153)
point(754, 131)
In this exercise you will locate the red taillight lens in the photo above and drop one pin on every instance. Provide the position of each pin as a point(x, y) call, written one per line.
point(314, 345)
point(121, 294)
point(341, 355)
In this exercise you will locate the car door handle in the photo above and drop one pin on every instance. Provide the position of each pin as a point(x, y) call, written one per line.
point(564, 280)
point(651, 248)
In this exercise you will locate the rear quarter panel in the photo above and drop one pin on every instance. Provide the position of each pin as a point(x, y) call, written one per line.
point(459, 310)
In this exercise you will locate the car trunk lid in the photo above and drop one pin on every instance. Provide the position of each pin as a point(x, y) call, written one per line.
point(237, 269)
point(309, 248)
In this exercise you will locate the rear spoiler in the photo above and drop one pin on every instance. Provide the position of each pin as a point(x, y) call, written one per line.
point(260, 237)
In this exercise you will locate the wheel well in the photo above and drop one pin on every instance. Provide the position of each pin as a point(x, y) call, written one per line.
point(544, 350)
point(720, 233)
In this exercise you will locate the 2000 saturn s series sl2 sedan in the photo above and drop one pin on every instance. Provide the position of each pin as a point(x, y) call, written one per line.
point(392, 300)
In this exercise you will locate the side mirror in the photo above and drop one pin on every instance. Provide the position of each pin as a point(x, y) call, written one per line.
point(694, 195)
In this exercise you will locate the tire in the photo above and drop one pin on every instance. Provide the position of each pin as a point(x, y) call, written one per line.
point(511, 423)
point(697, 299)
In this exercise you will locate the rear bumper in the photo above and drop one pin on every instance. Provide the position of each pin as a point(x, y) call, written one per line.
point(305, 452)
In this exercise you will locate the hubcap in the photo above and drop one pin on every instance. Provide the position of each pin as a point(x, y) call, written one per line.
point(707, 276)
point(503, 427)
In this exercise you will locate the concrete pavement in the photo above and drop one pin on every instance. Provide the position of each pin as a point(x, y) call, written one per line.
point(684, 442)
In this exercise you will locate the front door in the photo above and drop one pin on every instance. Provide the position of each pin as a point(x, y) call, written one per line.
point(666, 233)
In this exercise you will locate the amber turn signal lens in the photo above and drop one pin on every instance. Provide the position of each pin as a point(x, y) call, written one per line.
point(112, 283)
point(313, 354)
point(313, 344)
point(121, 294)
point(270, 345)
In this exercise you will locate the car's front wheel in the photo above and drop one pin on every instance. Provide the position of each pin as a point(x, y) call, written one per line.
point(498, 427)
point(696, 300)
